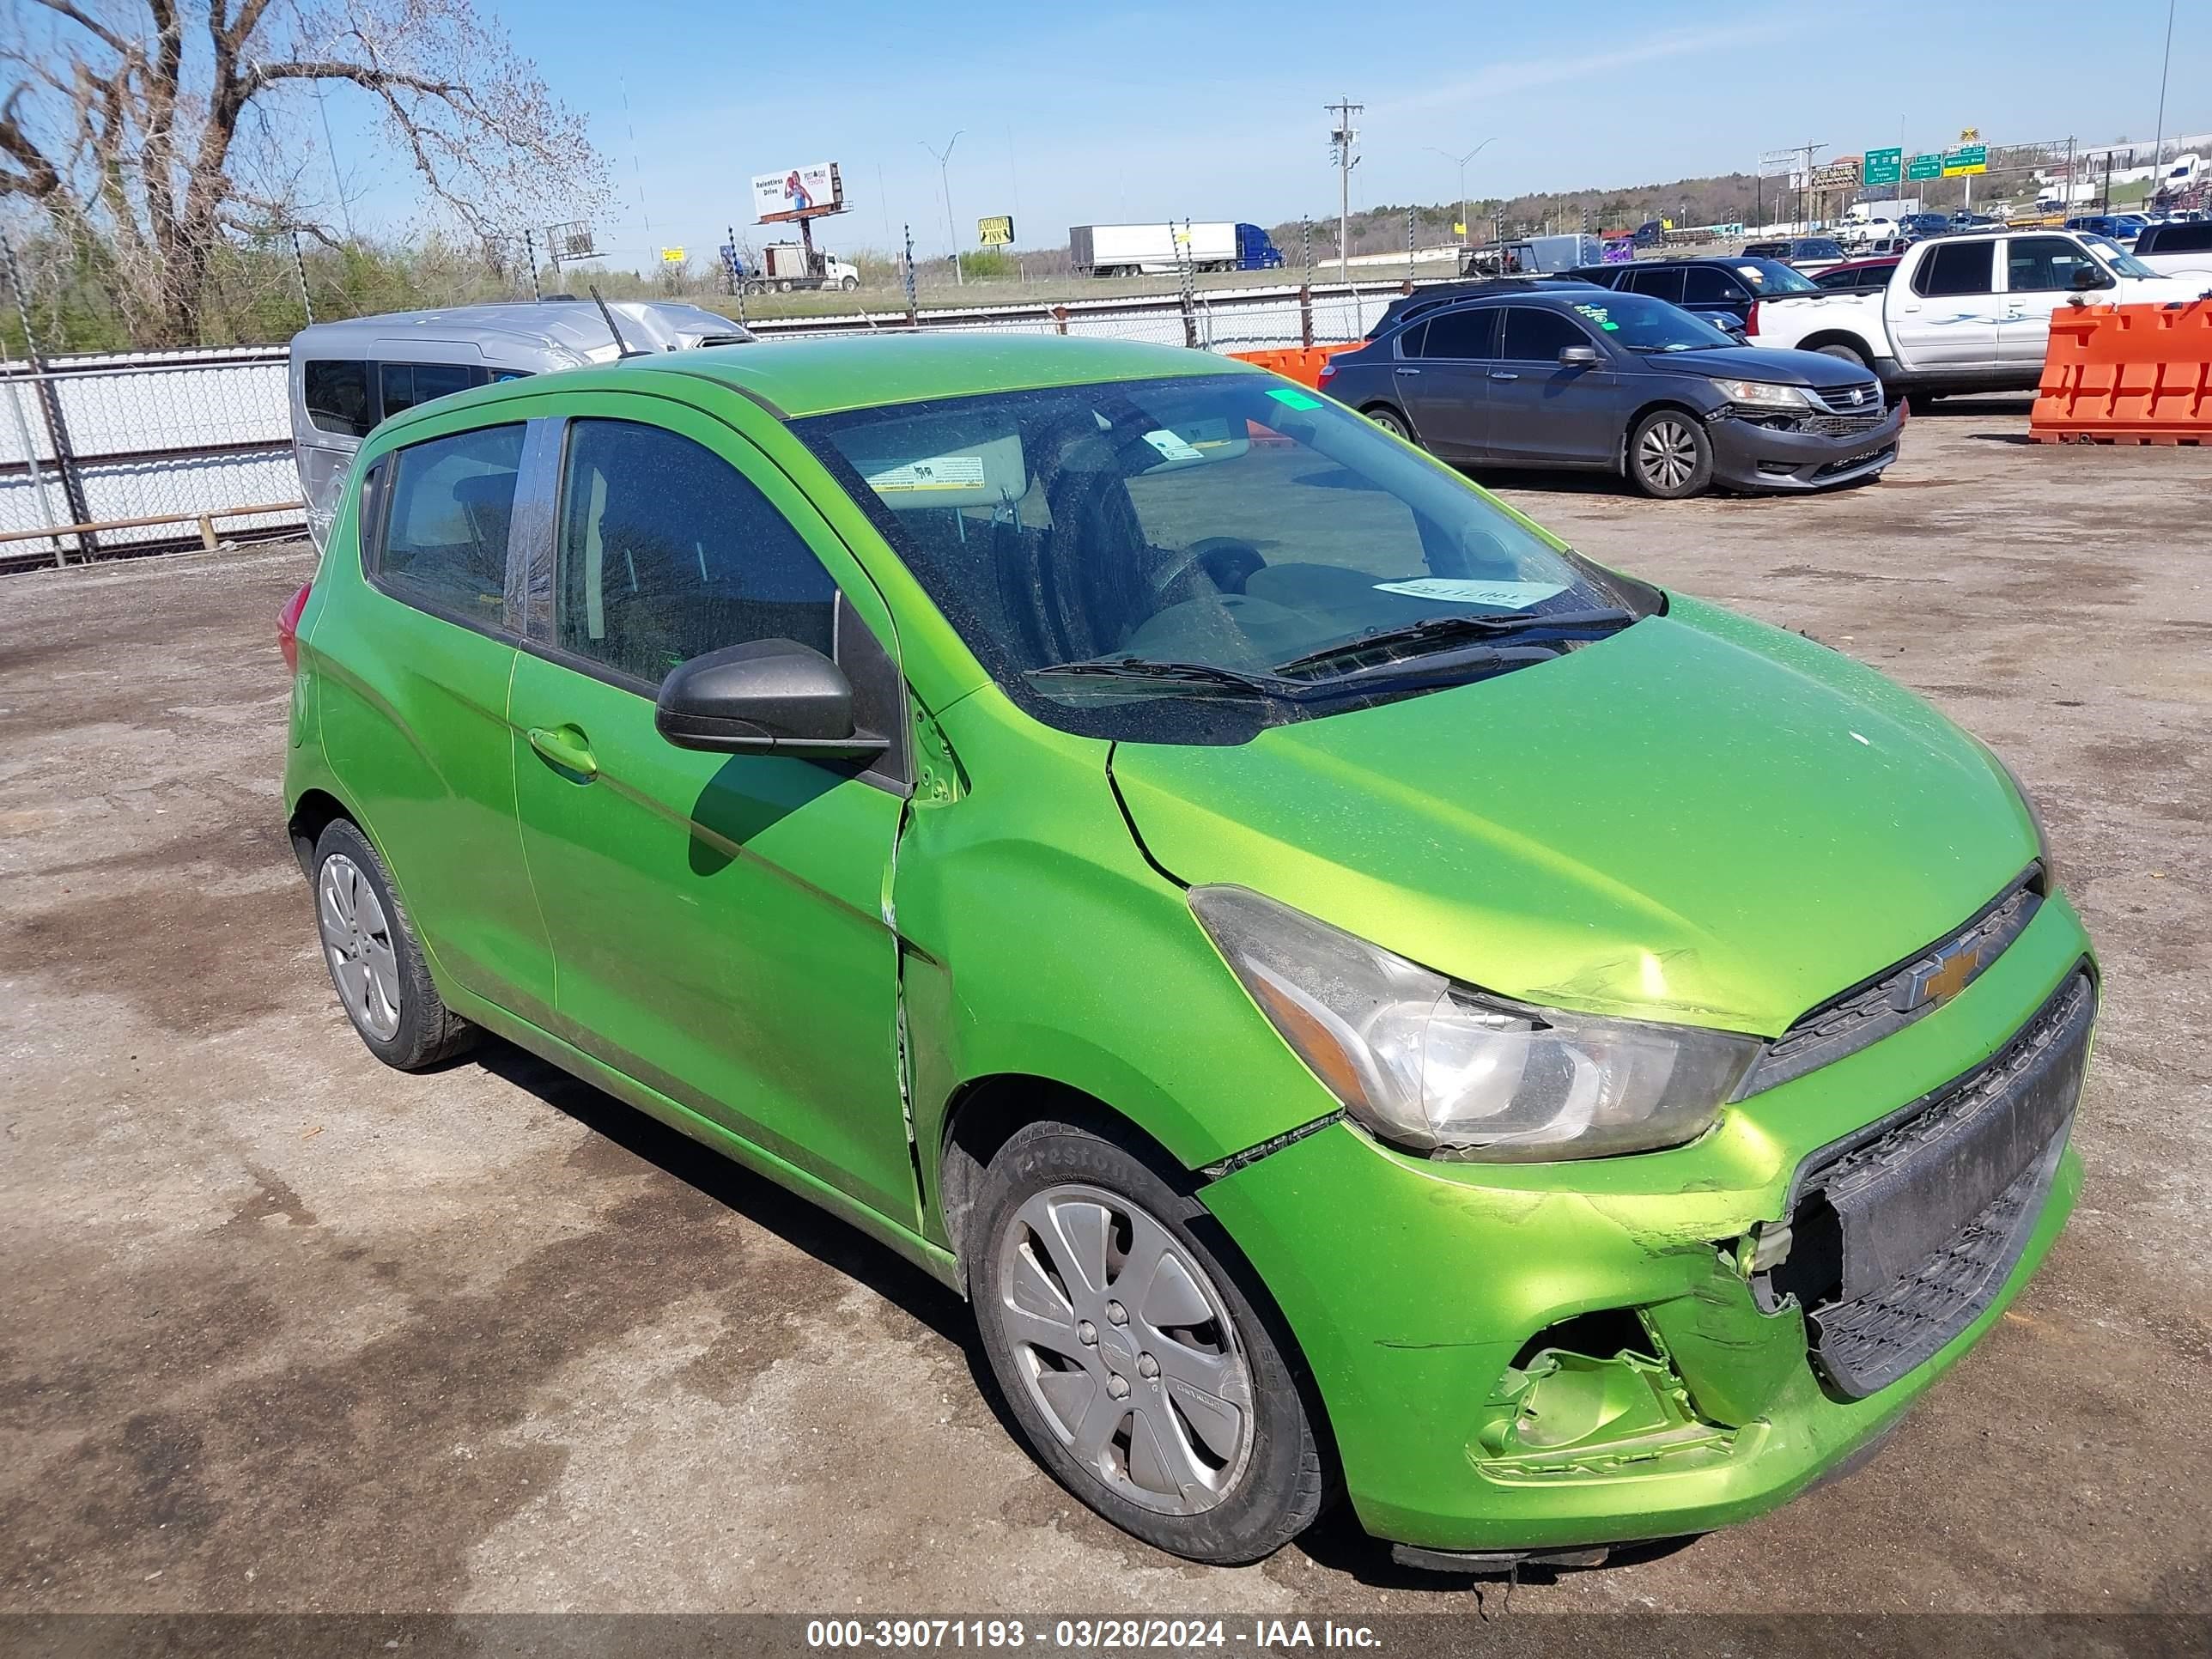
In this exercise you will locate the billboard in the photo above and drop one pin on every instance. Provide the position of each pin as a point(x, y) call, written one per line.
point(802, 193)
point(996, 231)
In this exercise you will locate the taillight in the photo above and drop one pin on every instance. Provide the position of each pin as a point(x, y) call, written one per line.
point(1751, 318)
point(288, 626)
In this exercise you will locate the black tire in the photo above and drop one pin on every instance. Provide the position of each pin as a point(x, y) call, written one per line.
point(1848, 354)
point(1276, 1487)
point(426, 1031)
point(1670, 456)
point(1391, 421)
point(850, 283)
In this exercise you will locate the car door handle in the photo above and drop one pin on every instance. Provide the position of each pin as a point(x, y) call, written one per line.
point(1405, 371)
point(1503, 374)
point(565, 746)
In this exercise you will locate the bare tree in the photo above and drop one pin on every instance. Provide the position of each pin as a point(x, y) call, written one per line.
point(147, 131)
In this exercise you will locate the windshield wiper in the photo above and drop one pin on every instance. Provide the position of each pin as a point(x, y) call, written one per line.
point(1433, 633)
point(1198, 676)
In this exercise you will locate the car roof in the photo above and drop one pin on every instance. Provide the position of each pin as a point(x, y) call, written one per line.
point(560, 331)
point(798, 378)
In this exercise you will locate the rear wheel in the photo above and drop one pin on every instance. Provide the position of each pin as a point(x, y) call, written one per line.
point(1670, 456)
point(1142, 1376)
point(376, 962)
point(1391, 421)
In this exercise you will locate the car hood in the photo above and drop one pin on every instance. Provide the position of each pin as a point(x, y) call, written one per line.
point(1700, 819)
point(1760, 363)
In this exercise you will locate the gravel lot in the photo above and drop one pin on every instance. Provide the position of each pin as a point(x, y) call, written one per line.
point(282, 1330)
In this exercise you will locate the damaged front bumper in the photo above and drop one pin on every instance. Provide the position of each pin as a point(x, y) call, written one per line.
point(1784, 454)
point(1541, 1357)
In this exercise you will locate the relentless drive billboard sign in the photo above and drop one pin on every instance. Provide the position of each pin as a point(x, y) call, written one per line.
point(803, 192)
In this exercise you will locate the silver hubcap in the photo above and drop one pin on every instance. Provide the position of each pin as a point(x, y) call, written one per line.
point(1668, 454)
point(1127, 1349)
point(357, 941)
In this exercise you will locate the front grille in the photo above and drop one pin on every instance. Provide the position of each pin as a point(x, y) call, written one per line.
point(1903, 1234)
point(1839, 426)
point(1895, 998)
point(1861, 397)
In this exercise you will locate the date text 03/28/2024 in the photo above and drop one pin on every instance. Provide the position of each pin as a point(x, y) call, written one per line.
point(1085, 1634)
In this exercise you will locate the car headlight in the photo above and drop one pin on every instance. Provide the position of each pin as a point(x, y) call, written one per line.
point(1760, 394)
point(1439, 1068)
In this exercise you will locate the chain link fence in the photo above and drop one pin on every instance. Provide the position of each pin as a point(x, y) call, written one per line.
point(117, 455)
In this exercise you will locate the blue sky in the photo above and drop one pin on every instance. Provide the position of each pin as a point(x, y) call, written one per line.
point(1074, 115)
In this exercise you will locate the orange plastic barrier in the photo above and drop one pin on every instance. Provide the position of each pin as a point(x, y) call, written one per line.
point(2127, 374)
point(1299, 363)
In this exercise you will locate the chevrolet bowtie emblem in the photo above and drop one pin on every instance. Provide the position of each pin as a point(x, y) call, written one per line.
point(1944, 978)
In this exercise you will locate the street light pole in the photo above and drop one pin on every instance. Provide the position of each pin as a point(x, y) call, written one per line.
point(1466, 229)
point(944, 183)
point(2159, 143)
point(1342, 138)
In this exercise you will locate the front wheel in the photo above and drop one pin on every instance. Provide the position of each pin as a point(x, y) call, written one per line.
point(1141, 1374)
point(1846, 353)
point(1670, 456)
point(850, 283)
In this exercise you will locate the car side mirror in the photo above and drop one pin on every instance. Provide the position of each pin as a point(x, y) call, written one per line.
point(1577, 356)
point(764, 697)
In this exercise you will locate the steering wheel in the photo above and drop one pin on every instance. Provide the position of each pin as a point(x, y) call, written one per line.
point(1228, 563)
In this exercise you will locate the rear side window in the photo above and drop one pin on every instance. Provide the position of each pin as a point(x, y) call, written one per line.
point(1957, 268)
point(666, 552)
point(405, 385)
point(1533, 336)
point(443, 543)
point(2176, 238)
point(1663, 284)
point(337, 396)
point(1462, 334)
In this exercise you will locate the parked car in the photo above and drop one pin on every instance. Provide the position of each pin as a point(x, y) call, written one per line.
point(1357, 996)
point(347, 376)
point(1721, 290)
point(2177, 248)
point(1620, 383)
point(1798, 251)
point(1860, 232)
point(1962, 312)
point(1431, 295)
point(1924, 224)
point(1856, 277)
point(1970, 221)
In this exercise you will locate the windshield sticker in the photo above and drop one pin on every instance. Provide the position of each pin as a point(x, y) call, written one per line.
point(1597, 314)
point(1171, 446)
point(1454, 590)
point(932, 472)
point(1293, 399)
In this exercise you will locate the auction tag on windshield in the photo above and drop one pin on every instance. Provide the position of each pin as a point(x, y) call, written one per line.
point(1293, 399)
point(935, 472)
point(1453, 589)
point(1172, 447)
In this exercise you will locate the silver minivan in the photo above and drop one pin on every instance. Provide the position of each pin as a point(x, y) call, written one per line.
point(347, 376)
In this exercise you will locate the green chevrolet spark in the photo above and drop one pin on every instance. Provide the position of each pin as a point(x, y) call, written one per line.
point(1363, 1001)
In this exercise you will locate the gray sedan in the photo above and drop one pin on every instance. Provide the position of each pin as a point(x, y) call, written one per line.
point(1583, 377)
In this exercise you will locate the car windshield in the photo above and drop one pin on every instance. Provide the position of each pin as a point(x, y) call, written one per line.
point(2120, 258)
point(1644, 324)
point(1150, 559)
point(1772, 277)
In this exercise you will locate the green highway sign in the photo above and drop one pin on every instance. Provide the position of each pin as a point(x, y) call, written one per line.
point(1925, 167)
point(1883, 167)
point(1968, 158)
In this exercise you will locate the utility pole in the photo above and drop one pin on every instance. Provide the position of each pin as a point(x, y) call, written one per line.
point(2158, 142)
point(1343, 139)
point(1466, 230)
point(944, 183)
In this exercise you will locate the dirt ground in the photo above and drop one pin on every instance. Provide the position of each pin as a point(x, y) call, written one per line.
point(282, 1330)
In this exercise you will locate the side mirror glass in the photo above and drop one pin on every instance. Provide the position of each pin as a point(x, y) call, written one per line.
point(1577, 356)
point(764, 697)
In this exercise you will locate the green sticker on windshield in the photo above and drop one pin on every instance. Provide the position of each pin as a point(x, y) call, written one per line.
point(1597, 314)
point(1294, 399)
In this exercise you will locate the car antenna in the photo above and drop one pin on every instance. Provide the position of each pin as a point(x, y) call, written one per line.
point(622, 348)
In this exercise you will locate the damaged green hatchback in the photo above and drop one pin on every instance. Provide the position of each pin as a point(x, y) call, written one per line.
point(1360, 997)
